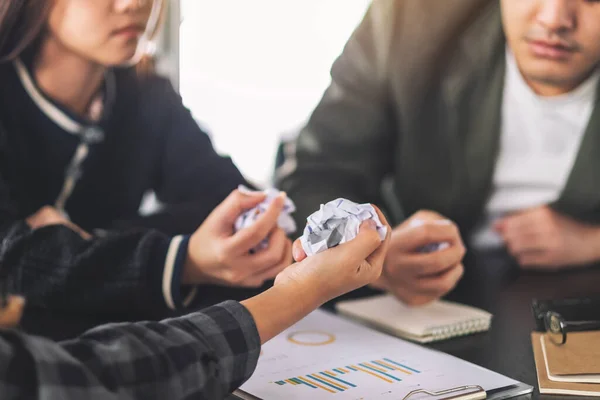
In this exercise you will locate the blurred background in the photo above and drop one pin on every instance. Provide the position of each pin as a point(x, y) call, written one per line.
point(251, 78)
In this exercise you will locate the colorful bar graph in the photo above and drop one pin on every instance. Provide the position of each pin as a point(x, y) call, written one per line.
point(325, 381)
point(315, 385)
point(384, 365)
point(339, 380)
point(330, 381)
point(402, 366)
point(380, 372)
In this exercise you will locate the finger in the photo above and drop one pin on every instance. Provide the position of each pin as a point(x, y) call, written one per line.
point(524, 222)
point(381, 283)
point(427, 264)
point(45, 217)
point(273, 254)
point(377, 258)
point(439, 285)
point(362, 246)
point(411, 238)
point(298, 251)
point(525, 243)
point(535, 260)
point(249, 237)
point(235, 204)
point(410, 297)
point(381, 216)
point(78, 230)
point(11, 315)
point(271, 273)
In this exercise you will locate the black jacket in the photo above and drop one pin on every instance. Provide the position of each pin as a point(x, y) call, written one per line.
point(150, 143)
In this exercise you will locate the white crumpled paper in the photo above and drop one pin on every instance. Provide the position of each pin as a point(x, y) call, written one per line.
point(248, 217)
point(335, 223)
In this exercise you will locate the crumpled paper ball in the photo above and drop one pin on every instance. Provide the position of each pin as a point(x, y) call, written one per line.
point(335, 223)
point(248, 217)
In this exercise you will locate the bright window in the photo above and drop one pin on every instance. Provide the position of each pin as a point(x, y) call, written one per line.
point(252, 71)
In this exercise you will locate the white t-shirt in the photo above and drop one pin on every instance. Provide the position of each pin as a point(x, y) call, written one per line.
point(539, 141)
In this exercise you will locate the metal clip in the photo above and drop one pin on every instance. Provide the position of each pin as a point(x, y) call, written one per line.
point(477, 394)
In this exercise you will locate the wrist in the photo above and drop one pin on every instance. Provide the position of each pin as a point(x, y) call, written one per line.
point(302, 294)
point(192, 270)
point(279, 307)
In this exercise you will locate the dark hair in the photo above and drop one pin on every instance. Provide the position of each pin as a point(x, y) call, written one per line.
point(21, 22)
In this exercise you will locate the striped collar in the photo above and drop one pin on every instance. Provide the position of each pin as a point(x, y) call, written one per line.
point(53, 112)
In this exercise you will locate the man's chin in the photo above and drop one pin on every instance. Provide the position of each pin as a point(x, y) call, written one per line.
point(552, 77)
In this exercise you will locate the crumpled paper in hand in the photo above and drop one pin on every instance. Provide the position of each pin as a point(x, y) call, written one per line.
point(335, 223)
point(431, 247)
point(248, 217)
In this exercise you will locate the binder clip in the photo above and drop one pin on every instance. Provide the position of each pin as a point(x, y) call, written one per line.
point(473, 392)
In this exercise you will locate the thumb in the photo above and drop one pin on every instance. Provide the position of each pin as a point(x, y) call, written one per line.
point(11, 315)
point(236, 203)
point(363, 245)
point(297, 251)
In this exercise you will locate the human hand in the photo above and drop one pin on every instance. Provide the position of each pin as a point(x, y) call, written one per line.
point(49, 215)
point(415, 277)
point(217, 255)
point(11, 314)
point(541, 238)
point(341, 269)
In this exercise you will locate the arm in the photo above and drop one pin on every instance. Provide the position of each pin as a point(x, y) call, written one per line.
point(192, 179)
point(203, 355)
point(127, 272)
point(543, 238)
point(345, 149)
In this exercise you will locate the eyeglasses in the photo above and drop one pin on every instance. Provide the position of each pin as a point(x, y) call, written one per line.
point(557, 327)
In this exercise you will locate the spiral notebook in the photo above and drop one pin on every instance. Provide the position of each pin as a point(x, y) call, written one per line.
point(436, 321)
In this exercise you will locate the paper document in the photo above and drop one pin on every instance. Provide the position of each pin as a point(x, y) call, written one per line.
point(325, 355)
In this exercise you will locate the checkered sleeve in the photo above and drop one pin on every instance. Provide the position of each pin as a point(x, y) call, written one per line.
point(204, 355)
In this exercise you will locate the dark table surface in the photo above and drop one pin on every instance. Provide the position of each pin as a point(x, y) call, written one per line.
point(495, 284)
point(492, 282)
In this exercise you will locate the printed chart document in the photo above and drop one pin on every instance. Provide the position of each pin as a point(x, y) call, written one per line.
point(325, 355)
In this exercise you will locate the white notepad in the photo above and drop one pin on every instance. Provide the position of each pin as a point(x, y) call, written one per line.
point(435, 321)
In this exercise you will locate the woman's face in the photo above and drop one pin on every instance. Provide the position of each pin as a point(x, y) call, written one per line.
point(106, 32)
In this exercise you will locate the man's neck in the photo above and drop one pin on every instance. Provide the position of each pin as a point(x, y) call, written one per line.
point(69, 79)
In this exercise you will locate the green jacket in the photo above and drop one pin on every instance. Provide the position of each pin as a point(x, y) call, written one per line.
point(411, 119)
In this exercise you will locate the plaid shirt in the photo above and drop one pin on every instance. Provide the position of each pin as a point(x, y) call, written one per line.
point(204, 355)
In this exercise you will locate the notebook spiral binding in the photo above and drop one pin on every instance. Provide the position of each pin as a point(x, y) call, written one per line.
point(459, 329)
